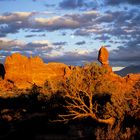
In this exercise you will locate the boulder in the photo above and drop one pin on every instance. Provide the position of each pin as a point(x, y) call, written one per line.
point(103, 56)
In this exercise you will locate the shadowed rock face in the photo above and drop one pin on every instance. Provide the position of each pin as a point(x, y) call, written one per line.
point(24, 71)
point(103, 56)
point(2, 71)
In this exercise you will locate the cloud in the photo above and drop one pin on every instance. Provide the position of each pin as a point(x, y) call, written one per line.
point(33, 35)
point(129, 54)
point(81, 4)
point(68, 21)
point(46, 50)
point(15, 17)
point(13, 22)
point(43, 48)
point(38, 46)
point(50, 5)
point(59, 43)
point(122, 56)
point(7, 44)
point(69, 4)
point(74, 57)
point(122, 26)
point(28, 36)
point(102, 38)
point(80, 43)
point(56, 23)
point(116, 23)
point(116, 2)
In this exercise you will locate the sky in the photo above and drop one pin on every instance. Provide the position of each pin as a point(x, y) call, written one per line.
point(71, 31)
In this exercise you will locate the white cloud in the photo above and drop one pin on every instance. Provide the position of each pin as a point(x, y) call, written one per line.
point(57, 22)
point(8, 44)
point(41, 42)
point(15, 16)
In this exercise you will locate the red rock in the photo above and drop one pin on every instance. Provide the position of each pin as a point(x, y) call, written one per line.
point(103, 58)
point(103, 55)
point(24, 71)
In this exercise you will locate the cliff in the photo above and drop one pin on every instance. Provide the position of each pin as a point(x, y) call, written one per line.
point(24, 71)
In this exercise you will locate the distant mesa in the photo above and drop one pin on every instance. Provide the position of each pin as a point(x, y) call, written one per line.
point(130, 69)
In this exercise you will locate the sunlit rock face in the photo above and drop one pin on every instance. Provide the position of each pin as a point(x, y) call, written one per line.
point(24, 71)
point(103, 56)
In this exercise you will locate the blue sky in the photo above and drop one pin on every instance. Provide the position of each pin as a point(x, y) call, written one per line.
point(71, 31)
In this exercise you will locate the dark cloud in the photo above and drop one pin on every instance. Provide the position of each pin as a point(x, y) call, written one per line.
point(39, 46)
point(8, 29)
point(63, 33)
point(81, 4)
point(13, 22)
point(36, 30)
point(71, 4)
point(50, 5)
point(82, 32)
point(59, 43)
point(28, 36)
point(33, 35)
point(120, 24)
point(102, 38)
point(80, 43)
point(42, 35)
point(129, 54)
point(116, 2)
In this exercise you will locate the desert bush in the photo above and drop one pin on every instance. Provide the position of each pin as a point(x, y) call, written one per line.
point(96, 69)
point(91, 92)
point(79, 94)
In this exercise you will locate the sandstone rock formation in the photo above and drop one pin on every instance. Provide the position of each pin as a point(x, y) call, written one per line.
point(103, 56)
point(24, 71)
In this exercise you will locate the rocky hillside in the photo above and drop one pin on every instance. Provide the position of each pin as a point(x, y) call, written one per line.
point(55, 101)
